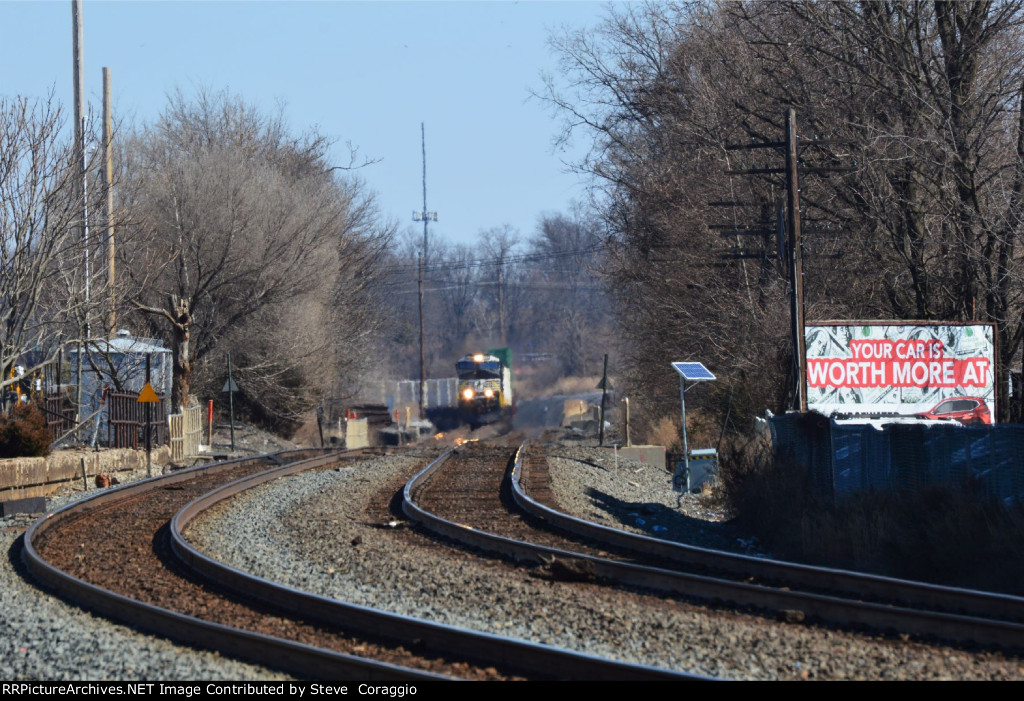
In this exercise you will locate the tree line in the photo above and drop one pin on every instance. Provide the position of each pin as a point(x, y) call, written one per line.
point(236, 235)
point(233, 235)
point(538, 294)
point(911, 134)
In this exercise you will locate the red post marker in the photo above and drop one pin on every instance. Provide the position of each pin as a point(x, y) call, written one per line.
point(209, 411)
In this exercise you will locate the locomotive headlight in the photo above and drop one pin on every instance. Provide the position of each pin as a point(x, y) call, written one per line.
point(488, 393)
point(467, 393)
point(478, 358)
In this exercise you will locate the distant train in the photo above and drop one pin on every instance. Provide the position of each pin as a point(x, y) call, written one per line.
point(485, 387)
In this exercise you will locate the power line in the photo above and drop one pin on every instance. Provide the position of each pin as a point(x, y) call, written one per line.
point(491, 262)
point(404, 288)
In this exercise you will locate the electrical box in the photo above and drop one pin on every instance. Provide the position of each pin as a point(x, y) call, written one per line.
point(703, 467)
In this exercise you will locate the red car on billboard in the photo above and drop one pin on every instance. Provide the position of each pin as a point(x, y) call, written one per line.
point(966, 410)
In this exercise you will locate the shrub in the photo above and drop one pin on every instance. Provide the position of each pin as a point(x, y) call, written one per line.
point(665, 432)
point(23, 433)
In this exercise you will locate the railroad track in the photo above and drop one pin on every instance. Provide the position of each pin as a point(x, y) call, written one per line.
point(129, 574)
point(144, 572)
point(503, 518)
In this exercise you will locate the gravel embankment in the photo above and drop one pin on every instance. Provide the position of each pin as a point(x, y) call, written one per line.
point(46, 639)
point(314, 532)
point(598, 485)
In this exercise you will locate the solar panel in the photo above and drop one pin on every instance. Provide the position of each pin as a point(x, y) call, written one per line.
point(693, 371)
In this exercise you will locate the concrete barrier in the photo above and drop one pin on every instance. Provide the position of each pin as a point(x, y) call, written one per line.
point(23, 478)
point(357, 434)
point(648, 454)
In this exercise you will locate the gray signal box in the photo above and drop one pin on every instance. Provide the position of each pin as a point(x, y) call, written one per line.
point(692, 475)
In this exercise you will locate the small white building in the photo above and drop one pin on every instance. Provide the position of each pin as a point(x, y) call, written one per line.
point(124, 358)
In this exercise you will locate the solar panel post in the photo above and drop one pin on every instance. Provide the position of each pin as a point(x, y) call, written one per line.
point(604, 394)
point(694, 372)
point(686, 448)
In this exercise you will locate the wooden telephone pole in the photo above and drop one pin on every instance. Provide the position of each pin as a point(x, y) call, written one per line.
point(796, 268)
point(791, 248)
point(108, 185)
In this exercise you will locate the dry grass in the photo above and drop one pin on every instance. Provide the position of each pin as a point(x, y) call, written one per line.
point(665, 432)
point(939, 535)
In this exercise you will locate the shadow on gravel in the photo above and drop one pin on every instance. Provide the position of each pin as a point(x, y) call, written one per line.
point(660, 521)
point(17, 564)
point(395, 505)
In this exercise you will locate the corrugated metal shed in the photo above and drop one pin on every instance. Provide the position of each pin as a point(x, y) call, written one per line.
point(123, 357)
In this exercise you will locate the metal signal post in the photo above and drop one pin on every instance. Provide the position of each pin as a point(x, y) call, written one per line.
point(424, 215)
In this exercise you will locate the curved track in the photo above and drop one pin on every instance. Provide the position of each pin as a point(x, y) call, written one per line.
point(515, 657)
point(440, 498)
point(130, 574)
point(144, 572)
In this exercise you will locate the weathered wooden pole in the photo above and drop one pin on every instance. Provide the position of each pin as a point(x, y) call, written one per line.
point(108, 185)
point(796, 268)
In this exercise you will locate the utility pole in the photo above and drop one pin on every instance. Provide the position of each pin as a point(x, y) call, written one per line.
point(796, 275)
point(604, 395)
point(231, 402)
point(78, 79)
point(426, 216)
point(108, 184)
point(501, 302)
point(790, 244)
point(423, 364)
point(80, 160)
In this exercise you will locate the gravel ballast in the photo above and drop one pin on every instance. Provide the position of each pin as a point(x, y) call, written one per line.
point(316, 532)
point(598, 485)
point(46, 639)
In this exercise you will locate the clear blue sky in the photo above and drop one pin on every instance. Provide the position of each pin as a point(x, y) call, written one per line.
point(363, 72)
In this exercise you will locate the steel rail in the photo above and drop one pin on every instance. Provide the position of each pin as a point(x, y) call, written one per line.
point(483, 648)
point(831, 609)
point(298, 658)
point(924, 595)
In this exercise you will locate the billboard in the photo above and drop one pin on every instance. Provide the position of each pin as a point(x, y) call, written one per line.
point(933, 370)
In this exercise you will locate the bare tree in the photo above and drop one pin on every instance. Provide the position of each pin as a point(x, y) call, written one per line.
point(498, 244)
point(455, 277)
point(247, 230)
point(930, 95)
point(927, 99)
point(567, 296)
point(40, 249)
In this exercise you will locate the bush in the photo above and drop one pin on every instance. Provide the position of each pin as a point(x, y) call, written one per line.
point(23, 433)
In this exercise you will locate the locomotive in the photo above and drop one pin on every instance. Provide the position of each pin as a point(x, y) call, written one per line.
point(485, 387)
